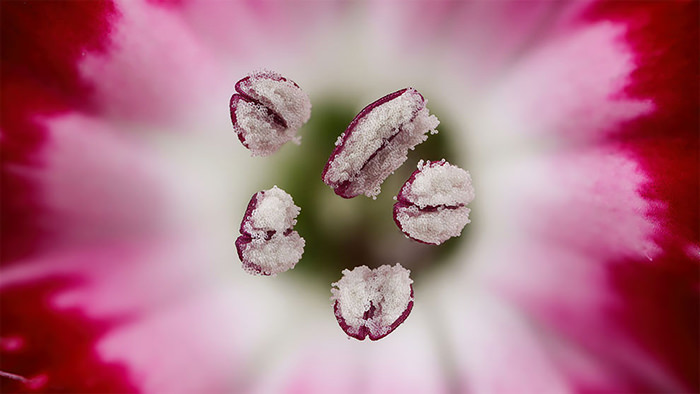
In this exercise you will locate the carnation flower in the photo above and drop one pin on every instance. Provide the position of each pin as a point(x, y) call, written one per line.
point(124, 187)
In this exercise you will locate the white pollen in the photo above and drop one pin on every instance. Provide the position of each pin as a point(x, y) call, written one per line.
point(281, 96)
point(278, 254)
point(268, 245)
point(431, 206)
point(374, 300)
point(439, 183)
point(274, 211)
point(433, 227)
point(264, 100)
point(379, 143)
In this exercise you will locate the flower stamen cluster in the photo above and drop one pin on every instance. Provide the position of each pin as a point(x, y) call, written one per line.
point(267, 110)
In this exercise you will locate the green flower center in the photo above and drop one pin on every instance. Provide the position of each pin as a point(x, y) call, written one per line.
point(345, 233)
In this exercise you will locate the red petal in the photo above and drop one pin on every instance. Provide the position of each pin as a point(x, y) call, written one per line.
point(53, 347)
point(41, 44)
point(662, 308)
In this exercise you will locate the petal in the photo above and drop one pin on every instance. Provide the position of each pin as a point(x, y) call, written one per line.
point(40, 77)
point(605, 235)
point(577, 213)
point(667, 148)
point(98, 184)
point(556, 97)
point(166, 58)
point(55, 345)
point(321, 362)
point(153, 69)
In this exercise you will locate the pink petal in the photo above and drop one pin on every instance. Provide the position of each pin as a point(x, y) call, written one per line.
point(99, 185)
point(168, 57)
point(597, 242)
point(406, 361)
point(629, 296)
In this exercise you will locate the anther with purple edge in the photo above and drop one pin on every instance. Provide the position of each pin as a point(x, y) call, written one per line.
point(431, 206)
point(267, 111)
point(268, 245)
point(372, 302)
point(377, 142)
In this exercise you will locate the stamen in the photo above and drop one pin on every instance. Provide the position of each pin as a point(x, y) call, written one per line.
point(372, 302)
point(377, 142)
point(431, 206)
point(268, 245)
point(267, 111)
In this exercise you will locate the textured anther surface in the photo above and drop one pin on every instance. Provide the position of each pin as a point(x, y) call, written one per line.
point(267, 111)
point(377, 142)
point(268, 245)
point(372, 302)
point(431, 206)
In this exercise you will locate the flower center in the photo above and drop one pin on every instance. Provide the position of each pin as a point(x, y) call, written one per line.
point(346, 233)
